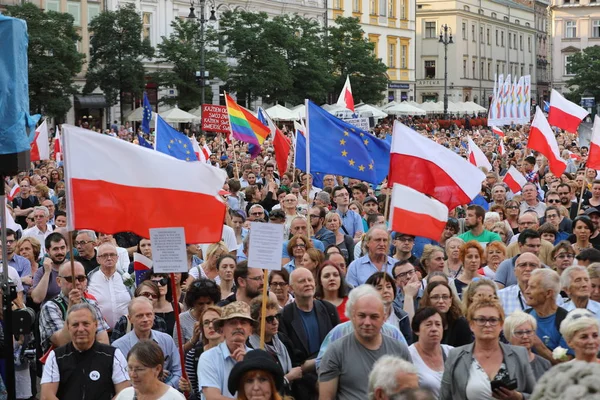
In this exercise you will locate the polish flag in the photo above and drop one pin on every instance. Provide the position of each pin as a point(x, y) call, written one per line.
point(574, 156)
point(117, 198)
point(542, 139)
point(497, 131)
point(13, 192)
point(141, 264)
point(57, 146)
point(501, 149)
point(593, 160)
point(345, 100)
point(564, 113)
point(514, 179)
point(477, 157)
point(415, 214)
point(281, 145)
point(432, 169)
point(197, 151)
point(40, 147)
point(206, 151)
point(10, 221)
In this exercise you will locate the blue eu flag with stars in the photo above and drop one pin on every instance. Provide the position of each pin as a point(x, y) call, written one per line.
point(143, 142)
point(339, 148)
point(172, 142)
point(147, 116)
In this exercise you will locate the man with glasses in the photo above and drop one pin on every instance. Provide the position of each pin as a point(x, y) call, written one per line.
point(513, 297)
point(561, 224)
point(317, 221)
point(249, 284)
point(529, 220)
point(566, 199)
point(20, 264)
point(530, 200)
point(256, 213)
point(351, 221)
point(409, 287)
point(41, 229)
point(24, 203)
point(530, 241)
point(85, 243)
point(289, 206)
point(53, 330)
point(299, 226)
point(106, 284)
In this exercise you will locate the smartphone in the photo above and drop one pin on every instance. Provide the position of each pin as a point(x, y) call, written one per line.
point(507, 384)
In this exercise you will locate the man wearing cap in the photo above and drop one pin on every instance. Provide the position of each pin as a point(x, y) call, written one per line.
point(216, 364)
point(317, 221)
point(404, 244)
point(370, 206)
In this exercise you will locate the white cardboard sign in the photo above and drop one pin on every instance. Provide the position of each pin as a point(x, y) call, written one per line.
point(168, 250)
point(266, 242)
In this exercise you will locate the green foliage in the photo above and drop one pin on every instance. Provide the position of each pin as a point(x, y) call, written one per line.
point(586, 67)
point(53, 59)
point(182, 49)
point(116, 54)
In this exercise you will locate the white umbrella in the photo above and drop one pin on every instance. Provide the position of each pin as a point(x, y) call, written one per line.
point(390, 104)
point(377, 113)
point(431, 108)
point(137, 115)
point(476, 107)
point(196, 111)
point(176, 115)
point(404, 109)
point(280, 113)
point(334, 108)
point(299, 110)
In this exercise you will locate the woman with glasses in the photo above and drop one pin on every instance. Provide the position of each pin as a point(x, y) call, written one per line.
point(562, 256)
point(439, 295)
point(519, 329)
point(582, 229)
point(332, 287)
point(279, 285)
point(164, 305)
point(296, 248)
point(453, 264)
point(226, 266)
point(210, 338)
point(581, 330)
point(472, 257)
point(487, 368)
point(512, 215)
point(344, 242)
point(147, 289)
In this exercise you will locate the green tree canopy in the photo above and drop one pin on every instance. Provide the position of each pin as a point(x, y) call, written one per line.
point(586, 67)
point(54, 61)
point(116, 54)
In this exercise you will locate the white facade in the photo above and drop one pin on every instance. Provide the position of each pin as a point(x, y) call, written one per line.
point(489, 37)
point(390, 25)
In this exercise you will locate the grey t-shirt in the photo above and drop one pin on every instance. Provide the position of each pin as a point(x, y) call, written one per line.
point(351, 362)
point(539, 366)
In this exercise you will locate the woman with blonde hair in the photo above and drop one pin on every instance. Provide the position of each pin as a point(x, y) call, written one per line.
point(432, 258)
point(453, 264)
point(477, 288)
point(30, 248)
point(296, 248)
point(311, 260)
point(503, 230)
point(519, 329)
point(208, 269)
point(581, 331)
point(344, 242)
point(495, 253)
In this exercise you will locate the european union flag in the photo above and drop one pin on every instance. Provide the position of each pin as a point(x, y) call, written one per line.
point(144, 143)
point(147, 115)
point(339, 148)
point(172, 142)
point(546, 106)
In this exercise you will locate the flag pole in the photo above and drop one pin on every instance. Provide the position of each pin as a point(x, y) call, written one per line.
point(178, 325)
point(237, 173)
point(69, 204)
point(582, 188)
point(263, 312)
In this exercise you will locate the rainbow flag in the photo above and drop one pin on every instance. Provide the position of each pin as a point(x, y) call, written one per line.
point(245, 127)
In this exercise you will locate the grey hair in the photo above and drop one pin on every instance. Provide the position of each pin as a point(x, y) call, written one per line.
point(574, 380)
point(298, 217)
point(576, 320)
point(517, 318)
point(359, 292)
point(44, 209)
point(256, 206)
point(453, 239)
point(89, 232)
point(549, 279)
point(324, 197)
point(82, 306)
point(565, 277)
point(384, 372)
point(491, 215)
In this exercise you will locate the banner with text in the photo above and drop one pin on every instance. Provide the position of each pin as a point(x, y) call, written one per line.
point(511, 101)
point(215, 118)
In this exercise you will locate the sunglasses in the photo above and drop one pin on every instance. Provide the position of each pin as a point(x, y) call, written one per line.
point(161, 281)
point(69, 278)
point(271, 318)
point(149, 295)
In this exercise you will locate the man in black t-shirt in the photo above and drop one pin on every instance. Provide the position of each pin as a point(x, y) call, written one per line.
point(24, 203)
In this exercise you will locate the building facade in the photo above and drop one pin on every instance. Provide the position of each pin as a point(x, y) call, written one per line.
point(542, 50)
point(490, 37)
point(390, 26)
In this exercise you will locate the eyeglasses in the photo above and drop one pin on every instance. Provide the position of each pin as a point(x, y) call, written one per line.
point(493, 321)
point(299, 245)
point(562, 256)
point(136, 371)
point(109, 255)
point(406, 274)
point(278, 284)
point(149, 295)
point(209, 322)
point(554, 201)
point(69, 278)
point(523, 333)
point(405, 239)
point(512, 207)
point(257, 214)
point(30, 219)
point(161, 281)
point(438, 297)
point(271, 318)
point(552, 216)
point(8, 242)
point(315, 216)
point(83, 242)
point(256, 278)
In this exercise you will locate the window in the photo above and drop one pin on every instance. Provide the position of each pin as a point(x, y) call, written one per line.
point(474, 74)
point(382, 7)
point(568, 70)
point(502, 38)
point(467, 8)
point(488, 36)
point(509, 40)
point(515, 41)
point(147, 22)
point(403, 54)
point(391, 11)
point(489, 71)
point(356, 6)
point(497, 38)
point(93, 11)
point(522, 69)
point(373, 7)
point(494, 15)
point(517, 22)
point(473, 32)
point(337, 4)
point(392, 55)
point(481, 34)
point(506, 19)
point(481, 71)
point(464, 68)
point(529, 43)
point(570, 29)
point(403, 6)
point(596, 28)
point(74, 9)
point(430, 30)
point(464, 30)
point(53, 5)
point(429, 69)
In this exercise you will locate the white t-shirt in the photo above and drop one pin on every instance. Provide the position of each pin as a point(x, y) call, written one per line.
point(129, 394)
point(198, 272)
point(228, 237)
point(428, 378)
point(13, 275)
point(119, 374)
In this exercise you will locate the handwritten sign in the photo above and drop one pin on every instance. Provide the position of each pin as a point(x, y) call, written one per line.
point(215, 118)
point(361, 123)
point(168, 250)
point(266, 242)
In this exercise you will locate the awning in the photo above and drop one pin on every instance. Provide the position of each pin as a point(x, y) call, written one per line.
point(90, 101)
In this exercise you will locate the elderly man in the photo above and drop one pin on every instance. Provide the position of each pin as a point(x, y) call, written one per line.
point(51, 210)
point(216, 364)
point(106, 285)
point(41, 229)
point(256, 212)
point(345, 367)
point(530, 241)
point(53, 330)
point(498, 194)
point(377, 242)
point(123, 254)
point(530, 200)
point(405, 376)
point(529, 220)
point(141, 316)
point(371, 221)
point(512, 297)
point(476, 230)
point(45, 280)
point(24, 203)
point(85, 243)
point(409, 287)
point(83, 368)
point(306, 322)
point(289, 206)
point(541, 292)
point(575, 281)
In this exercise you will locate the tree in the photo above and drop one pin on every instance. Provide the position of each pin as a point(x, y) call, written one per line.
point(585, 65)
point(116, 54)
point(54, 61)
point(182, 49)
point(350, 53)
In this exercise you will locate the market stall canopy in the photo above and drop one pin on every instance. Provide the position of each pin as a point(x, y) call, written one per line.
point(405, 109)
point(299, 110)
point(176, 115)
point(137, 115)
point(377, 113)
point(280, 113)
point(196, 111)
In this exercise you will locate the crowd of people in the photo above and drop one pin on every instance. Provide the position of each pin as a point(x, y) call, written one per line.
point(509, 289)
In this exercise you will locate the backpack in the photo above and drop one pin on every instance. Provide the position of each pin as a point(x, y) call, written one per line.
point(561, 314)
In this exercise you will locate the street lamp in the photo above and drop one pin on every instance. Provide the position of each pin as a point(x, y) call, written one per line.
point(202, 74)
point(446, 39)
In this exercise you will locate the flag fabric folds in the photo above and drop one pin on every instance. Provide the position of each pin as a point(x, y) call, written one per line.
point(143, 142)
point(40, 147)
point(593, 160)
point(542, 139)
point(245, 127)
point(14, 191)
point(147, 115)
point(117, 197)
point(497, 131)
point(416, 214)
point(172, 142)
point(338, 148)
point(565, 114)
point(501, 148)
point(346, 100)
point(281, 145)
point(476, 156)
point(432, 169)
point(141, 265)
point(57, 146)
point(514, 179)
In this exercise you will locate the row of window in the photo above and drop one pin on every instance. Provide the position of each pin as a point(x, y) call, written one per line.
point(485, 69)
point(74, 8)
point(570, 31)
point(383, 8)
point(392, 62)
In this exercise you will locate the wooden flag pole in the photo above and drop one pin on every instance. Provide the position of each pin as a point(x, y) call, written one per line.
point(582, 189)
point(263, 312)
point(178, 325)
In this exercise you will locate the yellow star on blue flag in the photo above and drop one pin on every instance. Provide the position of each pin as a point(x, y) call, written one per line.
point(172, 142)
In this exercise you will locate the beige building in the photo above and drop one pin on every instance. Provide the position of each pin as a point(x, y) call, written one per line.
point(490, 37)
point(390, 25)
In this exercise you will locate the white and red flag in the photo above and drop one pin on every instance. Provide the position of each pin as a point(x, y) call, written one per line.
point(432, 169)
point(593, 160)
point(501, 148)
point(57, 146)
point(477, 157)
point(497, 131)
point(514, 179)
point(202, 153)
point(14, 191)
point(345, 100)
point(117, 198)
point(40, 147)
point(565, 114)
point(415, 214)
point(542, 139)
